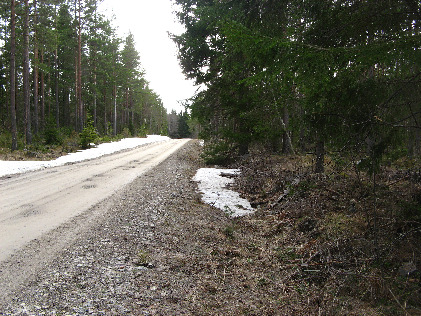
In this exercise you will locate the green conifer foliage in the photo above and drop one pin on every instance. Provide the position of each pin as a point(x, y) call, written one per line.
point(337, 73)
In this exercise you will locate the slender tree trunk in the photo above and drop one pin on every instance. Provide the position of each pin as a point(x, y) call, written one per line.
point(79, 68)
point(105, 111)
point(283, 120)
point(286, 138)
point(76, 95)
point(94, 49)
point(133, 120)
point(49, 92)
point(76, 78)
point(95, 100)
point(56, 79)
point(417, 142)
point(56, 74)
point(320, 156)
point(42, 93)
point(35, 67)
point(66, 103)
point(26, 87)
point(126, 116)
point(12, 75)
point(115, 112)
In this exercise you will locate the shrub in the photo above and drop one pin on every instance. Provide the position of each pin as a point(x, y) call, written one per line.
point(5, 139)
point(218, 153)
point(125, 133)
point(142, 131)
point(88, 135)
point(51, 133)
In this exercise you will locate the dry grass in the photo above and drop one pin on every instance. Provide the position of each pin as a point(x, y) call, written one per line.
point(341, 246)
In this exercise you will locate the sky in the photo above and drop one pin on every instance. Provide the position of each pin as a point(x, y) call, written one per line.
point(150, 21)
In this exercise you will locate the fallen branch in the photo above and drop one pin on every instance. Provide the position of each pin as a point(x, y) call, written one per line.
point(285, 193)
point(397, 301)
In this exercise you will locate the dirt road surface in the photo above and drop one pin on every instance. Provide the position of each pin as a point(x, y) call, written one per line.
point(36, 203)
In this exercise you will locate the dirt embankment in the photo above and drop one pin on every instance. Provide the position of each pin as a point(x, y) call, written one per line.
point(158, 250)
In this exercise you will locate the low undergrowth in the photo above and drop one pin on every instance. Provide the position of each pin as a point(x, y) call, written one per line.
point(349, 247)
point(55, 143)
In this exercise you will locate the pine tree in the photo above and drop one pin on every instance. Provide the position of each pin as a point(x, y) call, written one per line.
point(26, 87)
point(12, 74)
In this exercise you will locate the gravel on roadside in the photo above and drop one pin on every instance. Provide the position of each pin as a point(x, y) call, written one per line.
point(125, 258)
point(154, 248)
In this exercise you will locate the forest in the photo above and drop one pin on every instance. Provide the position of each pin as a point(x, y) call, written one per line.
point(318, 103)
point(63, 69)
point(305, 76)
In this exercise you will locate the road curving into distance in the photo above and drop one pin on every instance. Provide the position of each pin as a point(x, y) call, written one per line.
point(35, 203)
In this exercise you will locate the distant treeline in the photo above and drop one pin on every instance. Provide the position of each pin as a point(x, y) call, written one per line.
point(62, 61)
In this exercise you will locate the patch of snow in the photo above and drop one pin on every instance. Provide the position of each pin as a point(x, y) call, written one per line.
point(213, 185)
point(13, 167)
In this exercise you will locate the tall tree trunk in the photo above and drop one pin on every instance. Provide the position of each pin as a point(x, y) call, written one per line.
point(94, 49)
point(95, 100)
point(79, 68)
point(66, 103)
point(417, 142)
point(42, 92)
point(26, 87)
point(115, 112)
point(286, 138)
point(56, 85)
point(49, 92)
point(56, 73)
point(12, 75)
point(76, 78)
point(104, 100)
point(76, 94)
point(413, 145)
point(320, 156)
point(133, 120)
point(35, 66)
point(283, 120)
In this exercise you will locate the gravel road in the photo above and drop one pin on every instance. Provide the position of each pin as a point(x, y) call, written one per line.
point(98, 260)
point(154, 248)
point(36, 202)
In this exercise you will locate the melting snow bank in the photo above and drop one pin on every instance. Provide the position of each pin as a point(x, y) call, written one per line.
point(13, 167)
point(213, 185)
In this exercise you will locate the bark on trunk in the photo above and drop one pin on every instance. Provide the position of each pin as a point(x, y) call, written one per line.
point(320, 157)
point(56, 77)
point(36, 74)
point(42, 93)
point(115, 112)
point(26, 100)
point(66, 107)
point(95, 100)
point(12, 76)
point(286, 138)
point(79, 76)
point(56, 74)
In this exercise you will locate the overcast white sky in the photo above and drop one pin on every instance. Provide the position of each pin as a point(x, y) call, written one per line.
point(150, 21)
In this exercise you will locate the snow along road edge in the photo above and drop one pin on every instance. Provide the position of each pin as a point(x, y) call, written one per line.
point(37, 202)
